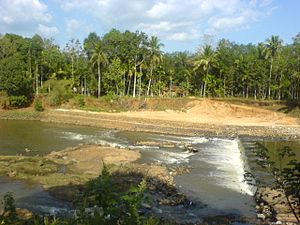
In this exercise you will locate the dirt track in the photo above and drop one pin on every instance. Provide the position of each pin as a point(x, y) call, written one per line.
point(206, 117)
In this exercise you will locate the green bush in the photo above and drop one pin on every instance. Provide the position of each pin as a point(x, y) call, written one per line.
point(117, 207)
point(110, 97)
point(38, 105)
point(59, 91)
point(80, 101)
point(9, 214)
point(4, 100)
point(18, 101)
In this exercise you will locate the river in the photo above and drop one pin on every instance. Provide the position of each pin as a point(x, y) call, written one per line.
point(215, 184)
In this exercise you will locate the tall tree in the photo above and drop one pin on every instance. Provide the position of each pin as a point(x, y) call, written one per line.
point(99, 58)
point(155, 57)
point(273, 46)
point(37, 46)
point(89, 44)
point(205, 60)
point(74, 50)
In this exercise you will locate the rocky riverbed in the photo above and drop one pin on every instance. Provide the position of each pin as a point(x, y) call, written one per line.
point(64, 174)
point(273, 206)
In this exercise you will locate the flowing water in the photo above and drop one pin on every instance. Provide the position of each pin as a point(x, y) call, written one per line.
point(216, 182)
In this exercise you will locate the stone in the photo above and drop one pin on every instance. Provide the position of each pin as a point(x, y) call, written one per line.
point(261, 216)
point(27, 150)
point(157, 210)
point(147, 206)
point(24, 213)
point(165, 202)
point(12, 174)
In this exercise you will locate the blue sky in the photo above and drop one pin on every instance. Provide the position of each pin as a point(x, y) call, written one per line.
point(179, 24)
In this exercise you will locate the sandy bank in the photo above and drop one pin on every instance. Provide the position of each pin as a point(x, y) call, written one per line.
point(206, 117)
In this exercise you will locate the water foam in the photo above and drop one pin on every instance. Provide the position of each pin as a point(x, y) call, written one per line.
point(169, 157)
point(182, 140)
point(231, 166)
point(76, 136)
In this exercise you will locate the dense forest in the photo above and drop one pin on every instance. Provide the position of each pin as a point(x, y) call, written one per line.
point(133, 64)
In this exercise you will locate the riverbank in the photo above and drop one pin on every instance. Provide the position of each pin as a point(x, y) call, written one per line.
point(197, 118)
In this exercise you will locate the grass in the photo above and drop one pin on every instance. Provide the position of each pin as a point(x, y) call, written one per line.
point(20, 114)
point(124, 104)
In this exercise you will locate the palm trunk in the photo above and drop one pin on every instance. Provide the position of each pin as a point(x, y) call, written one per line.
point(129, 85)
point(124, 84)
point(41, 76)
point(140, 81)
point(204, 86)
point(37, 80)
point(150, 80)
point(224, 85)
point(99, 79)
point(170, 88)
point(270, 76)
point(134, 82)
point(73, 79)
point(85, 86)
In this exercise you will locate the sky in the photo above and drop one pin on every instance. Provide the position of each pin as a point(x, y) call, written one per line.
point(179, 24)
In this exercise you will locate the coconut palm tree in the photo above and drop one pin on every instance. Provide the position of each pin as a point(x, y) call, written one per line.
point(272, 48)
point(99, 58)
point(205, 60)
point(155, 57)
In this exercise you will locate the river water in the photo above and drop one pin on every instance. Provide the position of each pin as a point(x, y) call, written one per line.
point(216, 182)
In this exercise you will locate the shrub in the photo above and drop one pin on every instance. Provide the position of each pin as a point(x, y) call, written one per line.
point(4, 100)
point(80, 101)
point(117, 207)
point(38, 105)
point(59, 91)
point(9, 209)
point(18, 101)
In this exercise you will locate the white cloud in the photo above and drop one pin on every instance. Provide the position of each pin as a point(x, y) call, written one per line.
point(23, 16)
point(47, 31)
point(74, 27)
point(173, 19)
point(160, 9)
point(184, 36)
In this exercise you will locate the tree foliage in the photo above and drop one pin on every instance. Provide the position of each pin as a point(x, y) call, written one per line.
point(133, 64)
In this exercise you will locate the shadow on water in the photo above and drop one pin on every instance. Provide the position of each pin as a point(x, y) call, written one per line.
point(160, 199)
point(32, 197)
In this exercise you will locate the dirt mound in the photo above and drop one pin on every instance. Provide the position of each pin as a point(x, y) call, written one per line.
point(218, 108)
point(217, 112)
point(227, 113)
